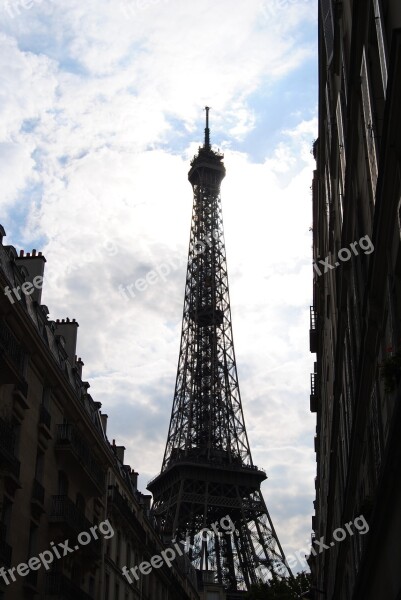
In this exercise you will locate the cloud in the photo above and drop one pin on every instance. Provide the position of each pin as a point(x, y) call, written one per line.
point(101, 114)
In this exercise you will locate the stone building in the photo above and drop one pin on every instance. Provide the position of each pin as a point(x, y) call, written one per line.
point(355, 319)
point(71, 516)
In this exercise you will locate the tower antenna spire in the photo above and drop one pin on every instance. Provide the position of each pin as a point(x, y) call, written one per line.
point(207, 130)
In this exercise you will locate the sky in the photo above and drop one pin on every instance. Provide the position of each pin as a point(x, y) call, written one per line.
point(102, 109)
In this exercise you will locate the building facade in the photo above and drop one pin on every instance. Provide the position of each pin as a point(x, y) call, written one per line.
point(355, 319)
point(71, 516)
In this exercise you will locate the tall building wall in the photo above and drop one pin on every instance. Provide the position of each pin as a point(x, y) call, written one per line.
point(59, 474)
point(355, 318)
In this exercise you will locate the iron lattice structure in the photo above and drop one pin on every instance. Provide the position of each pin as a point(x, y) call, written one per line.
point(207, 470)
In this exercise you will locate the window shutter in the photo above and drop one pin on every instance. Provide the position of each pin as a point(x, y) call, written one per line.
point(326, 8)
point(368, 122)
point(381, 42)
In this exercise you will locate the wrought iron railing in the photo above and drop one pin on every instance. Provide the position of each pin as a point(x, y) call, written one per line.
point(313, 319)
point(7, 437)
point(313, 392)
point(10, 345)
point(5, 549)
point(7, 443)
point(313, 334)
point(31, 579)
point(115, 499)
point(313, 384)
point(68, 435)
point(63, 510)
point(62, 588)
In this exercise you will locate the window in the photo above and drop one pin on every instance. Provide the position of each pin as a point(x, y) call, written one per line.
point(80, 503)
point(39, 466)
point(328, 27)
point(33, 541)
point(378, 13)
point(118, 548)
point(62, 484)
point(344, 79)
point(368, 123)
point(107, 587)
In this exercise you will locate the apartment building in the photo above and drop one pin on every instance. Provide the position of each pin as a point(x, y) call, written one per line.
point(355, 326)
point(65, 492)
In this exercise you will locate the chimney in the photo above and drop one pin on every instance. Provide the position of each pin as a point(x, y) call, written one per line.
point(145, 500)
point(2, 233)
point(69, 330)
point(78, 365)
point(104, 422)
point(35, 265)
point(119, 450)
point(134, 479)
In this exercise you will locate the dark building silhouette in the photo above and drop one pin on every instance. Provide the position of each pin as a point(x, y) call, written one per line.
point(356, 316)
point(60, 478)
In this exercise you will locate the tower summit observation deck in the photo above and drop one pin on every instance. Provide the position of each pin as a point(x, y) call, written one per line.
point(207, 471)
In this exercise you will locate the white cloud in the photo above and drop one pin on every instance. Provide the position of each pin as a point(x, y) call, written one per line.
point(111, 106)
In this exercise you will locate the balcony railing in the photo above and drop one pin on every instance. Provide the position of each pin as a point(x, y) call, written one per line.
point(10, 345)
point(313, 330)
point(63, 510)
point(5, 554)
point(5, 549)
point(313, 392)
point(68, 436)
point(31, 579)
point(7, 438)
point(116, 500)
point(60, 587)
point(7, 443)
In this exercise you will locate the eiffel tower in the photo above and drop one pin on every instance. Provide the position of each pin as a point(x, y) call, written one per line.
point(207, 472)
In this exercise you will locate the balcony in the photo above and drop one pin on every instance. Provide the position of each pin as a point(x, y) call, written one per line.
point(313, 392)
point(116, 502)
point(59, 587)
point(64, 511)
point(313, 330)
point(31, 580)
point(72, 522)
point(77, 452)
point(11, 355)
point(7, 459)
point(7, 442)
point(5, 549)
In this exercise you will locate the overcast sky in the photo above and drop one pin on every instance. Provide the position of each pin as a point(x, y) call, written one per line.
point(101, 111)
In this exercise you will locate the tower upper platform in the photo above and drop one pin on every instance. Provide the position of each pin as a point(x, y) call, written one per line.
point(207, 166)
